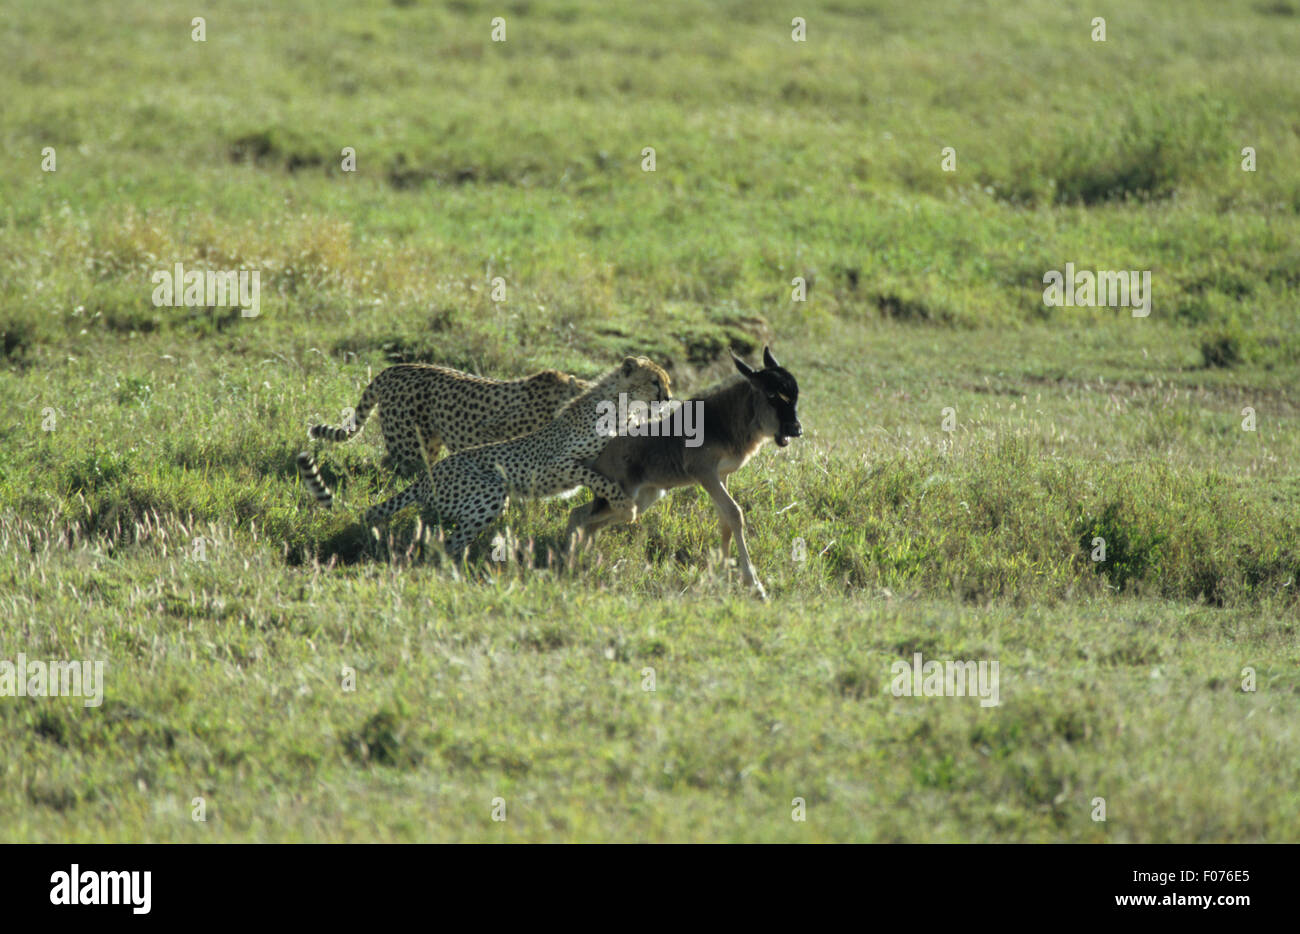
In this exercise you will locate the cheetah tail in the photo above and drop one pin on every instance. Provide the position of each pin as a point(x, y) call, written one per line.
point(312, 479)
point(351, 425)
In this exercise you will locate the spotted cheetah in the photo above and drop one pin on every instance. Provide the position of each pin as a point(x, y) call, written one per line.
point(471, 487)
point(449, 408)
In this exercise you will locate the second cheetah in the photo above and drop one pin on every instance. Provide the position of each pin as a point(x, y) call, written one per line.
point(471, 487)
point(424, 407)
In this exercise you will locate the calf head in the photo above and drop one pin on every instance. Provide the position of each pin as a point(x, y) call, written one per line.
point(777, 395)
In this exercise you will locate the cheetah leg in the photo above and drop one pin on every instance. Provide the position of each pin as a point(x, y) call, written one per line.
point(416, 492)
point(422, 453)
point(432, 445)
point(595, 515)
point(402, 454)
point(608, 489)
point(474, 515)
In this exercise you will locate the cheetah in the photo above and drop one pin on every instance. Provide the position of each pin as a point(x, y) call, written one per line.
point(451, 409)
point(471, 487)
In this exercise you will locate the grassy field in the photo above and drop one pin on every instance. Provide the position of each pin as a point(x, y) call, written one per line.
point(311, 684)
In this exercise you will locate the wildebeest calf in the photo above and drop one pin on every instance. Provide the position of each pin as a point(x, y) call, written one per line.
point(738, 418)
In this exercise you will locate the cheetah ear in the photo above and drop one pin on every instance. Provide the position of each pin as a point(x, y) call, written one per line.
point(629, 365)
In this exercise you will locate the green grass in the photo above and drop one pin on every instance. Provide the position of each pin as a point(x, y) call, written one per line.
point(134, 431)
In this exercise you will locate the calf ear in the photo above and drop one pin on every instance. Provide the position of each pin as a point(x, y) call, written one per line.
point(744, 368)
point(769, 361)
point(629, 364)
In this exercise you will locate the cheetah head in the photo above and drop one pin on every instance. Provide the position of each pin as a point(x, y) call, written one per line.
point(643, 379)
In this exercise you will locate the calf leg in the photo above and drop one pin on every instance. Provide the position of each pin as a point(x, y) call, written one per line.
point(733, 521)
point(724, 526)
point(589, 518)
